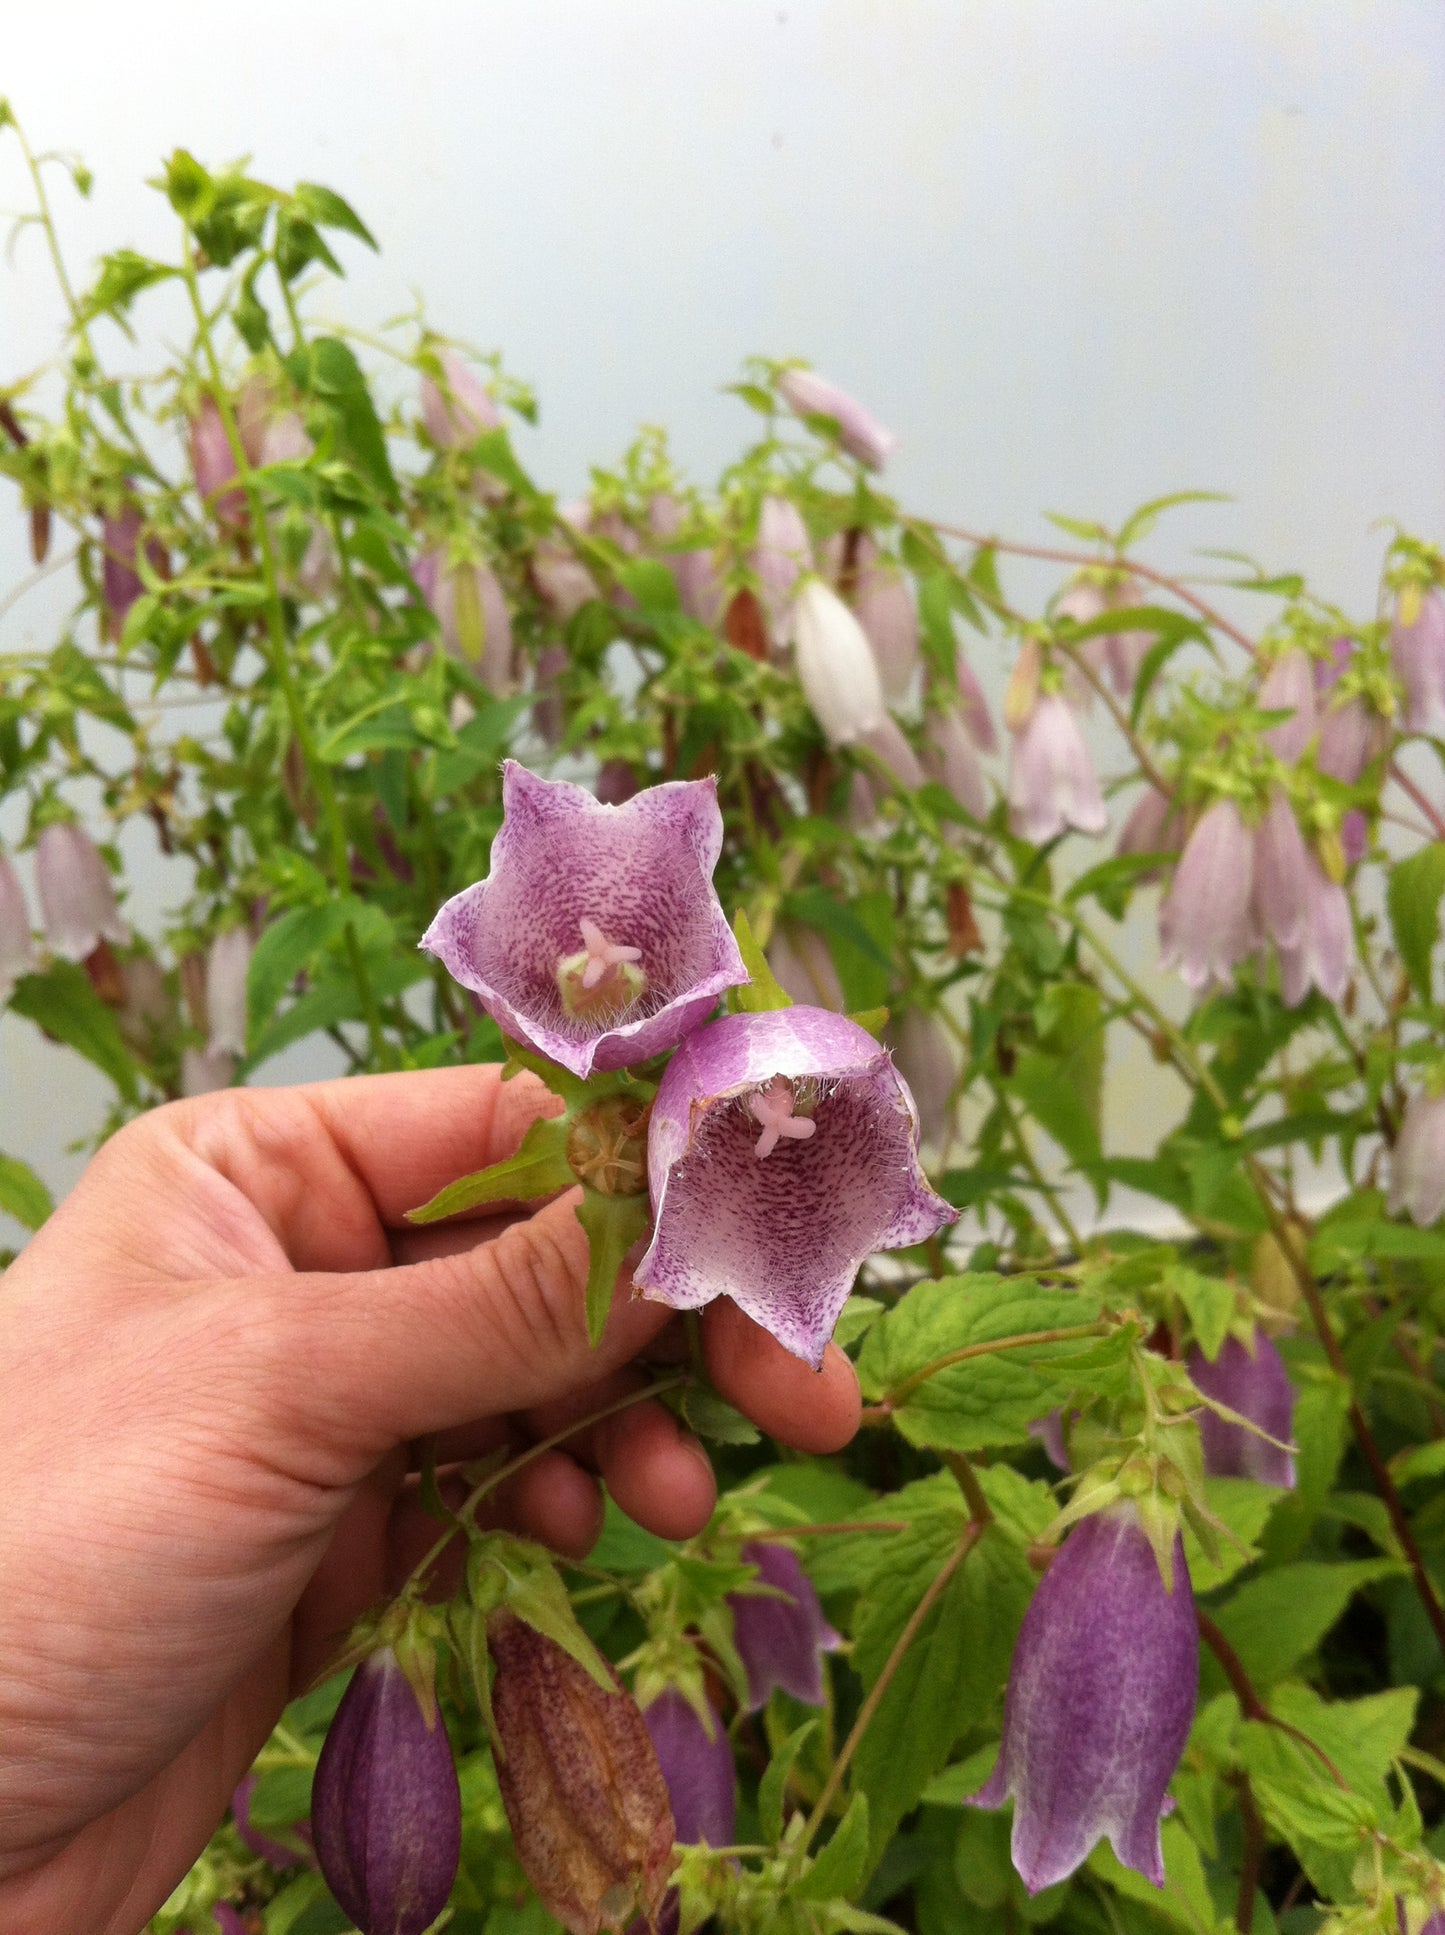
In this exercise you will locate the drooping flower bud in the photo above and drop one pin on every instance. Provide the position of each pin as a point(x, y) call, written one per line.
point(77, 899)
point(1099, 1704)
point(1352, 733)
point(925, 1059)
point(563, 582)
point(458, 409)
point(581, 1784)
point(227, 963)
point(1417, 647)
point(781, 1641)
point(803, 968)
point(859, 432)
point(699, 589)
point(629, 887)
point(783, 1150)
point(1052, 782)
point(1417, 1161)
point(17, 945)
point(950, 758)
point(835, 665)
point(1153, 826)
point(1206, 922)
point(471, 608)
point(702, 1781)
point(887, 743)
point(1289, 686)
point(386, 1810)
point(1253, 1382)
point(213, 464)
point(782, 553)
point(883, 605)
point(973, 706)
point(120, 581)
point(1090, 597)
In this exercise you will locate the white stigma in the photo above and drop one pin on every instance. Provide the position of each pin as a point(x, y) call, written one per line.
point(602, 954)
point(772, 1105)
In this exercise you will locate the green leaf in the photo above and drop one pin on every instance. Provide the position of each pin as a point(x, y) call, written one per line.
point(1048, 1087)
point(334, 1000)
point(22, 1194)
point(325, 207)
point(860, 937)
point(871, 1020)
point(1413, 898)
point(839, 1869)
point(613, 1224)
point(774, 1783)
point(1184, 1901)
point(327, 369)
point(1209, 1303)
point(1420, 1461)
point(479, 745)
point(762, 992)
point(64, 1004)
point(1142, 521)
point(533, 1590)
point(288, 945)
point(986, 1400)
point(1244, 1506)
point(1275, 1620)
point(539, 1168)
point(123, 275)
point(711, 1416)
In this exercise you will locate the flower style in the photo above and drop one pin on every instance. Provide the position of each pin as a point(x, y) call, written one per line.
point(459, 409)
point(835, 664)
point(1206, 922)
point(77, 900)
point(597, 938)
point(470, 606)
point(781, 1641)
point(1252, 1380)
point(1099, 1704)
point(386, 1811)
point(781, 1226)
point(1417, 646)
point(702, 1781)
point(859, 432)
point(1052, 783)
point(17, 945)
point(1417, 1161)
point(782, 553)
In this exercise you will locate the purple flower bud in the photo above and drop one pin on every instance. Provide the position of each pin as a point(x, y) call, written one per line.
point(1206, 922)
point(883, 606)
point(386, 1811)
point(925, 1059)
point(204, 1070)
point(973, 706)
point(887, 743)
point(782, 554)
point(597, 938)
point(229, 1920)
point(1049, 1430)
point(699, 589)
point(950, 758)
point(276, 1852)
point(781, 1642)
point(563, 582)
point(1099, 1704)
point(213, 464)
point(471, 609)
point(783, 1150)
point(1324, 955)
point(803, 968)
point(1280, 858)
point(1417, 1161)
point(860, 433)
point(459, 409)
point(1289, 686)
point(77, 899)
point(1254, 1383)
point(120, 581)
point(17, 945)
point(227, 963)
point(835, 664)
point(1354, 836)
point(702, 1782)
point(1417, 646)
point(1052, 783)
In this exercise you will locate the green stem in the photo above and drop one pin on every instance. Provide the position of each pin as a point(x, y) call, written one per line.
point(1031, 1163)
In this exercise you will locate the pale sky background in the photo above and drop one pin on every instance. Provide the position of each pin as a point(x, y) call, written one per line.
point(1075, 252)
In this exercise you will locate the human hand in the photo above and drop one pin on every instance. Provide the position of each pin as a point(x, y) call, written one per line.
point(213, 1360)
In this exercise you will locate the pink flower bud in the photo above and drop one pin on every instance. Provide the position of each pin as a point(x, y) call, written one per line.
point(860, 433)
point(1289, 686)
point(459, 409)
point(950, 758)
point(924, 1057)
point(782, 554)
point(699, 589)
point(835, 665)
point(77, 899)
point(883, 605)
point(1417, 1161)
point(1052, 783)
point(227, 963)
point(1324, 955)
point(1153, 826)
point(1280, 860)
point(213, 464)
point(1206, 922)
point(17, 946)
point(887, 743)
point(120, 581)
point(471, 608)
point(973, 706)
point(1417, 646)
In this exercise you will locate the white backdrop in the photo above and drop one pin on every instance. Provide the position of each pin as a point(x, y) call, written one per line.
point(1075, 252)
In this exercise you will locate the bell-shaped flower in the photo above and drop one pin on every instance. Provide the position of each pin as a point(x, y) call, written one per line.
point(227, 963)
point(924, 1057)
point(781, 1640)
point(597, 938)
point(1099, 1704)
point(564, 584)
point(884, 607)
point(77, 899)
point(1153, 826)
point(1052, 784)
point(1417, 648)
point(1417, 1161)
point(1324, 955)
point(835, 665)
point(213, 464)
point(1352, 733)
point(1206, 921)
point(470, 606)
point(120, 580)
point(859, 432)
point(1354, 836)
point(1289, 686)
point(702, 1781)
point(782, 553)
point(1252, 1380)
point(783, 1150)
point(950, 758)
point(887, 743)
point(580, 1780)
point(458, 409)
point(699, 589)
point(973, 706)
point(803, 968)
point(386, 1811)
point(1280, 861)
point(17, 945)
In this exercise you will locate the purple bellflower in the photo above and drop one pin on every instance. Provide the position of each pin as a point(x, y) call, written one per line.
point(1252, 1381)
point(883, 606)
point(459, 409)
point(1099, 1705)
point(1417, 1161)
point(781, 1641)
point(77, 899)
point(1280, 871)
point(951, 758)
point(386, 1810)
point(1417, 647)
point(17, 945)
point(782, 553)
point(973, 706)
point(597, 938)
point(1324, 955)
point(702, 1782)
point(859, 432)
point(1052, 784)
point(1206, 921)
point(783, 1150)
point(699, 589)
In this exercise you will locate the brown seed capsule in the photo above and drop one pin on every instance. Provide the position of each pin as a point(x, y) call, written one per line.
point(745, 626)
point(581, 1785)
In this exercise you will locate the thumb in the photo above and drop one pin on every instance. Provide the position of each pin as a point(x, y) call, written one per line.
point(398, 1353)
